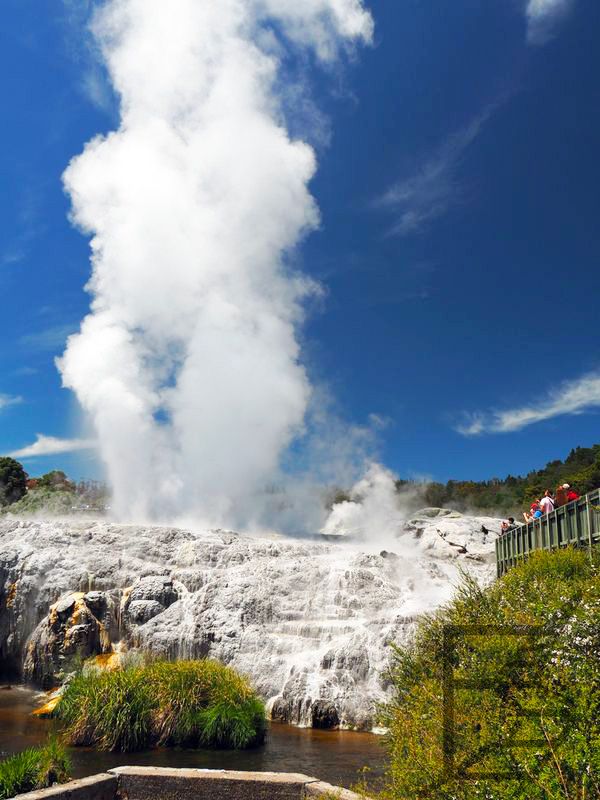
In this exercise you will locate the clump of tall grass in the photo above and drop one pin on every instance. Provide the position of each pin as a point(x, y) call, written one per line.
point(35, 768)
point(183, 703)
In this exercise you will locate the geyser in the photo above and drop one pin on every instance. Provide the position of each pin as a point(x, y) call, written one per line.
point(188, 363)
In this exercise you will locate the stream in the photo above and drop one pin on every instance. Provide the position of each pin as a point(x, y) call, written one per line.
point(332, 756)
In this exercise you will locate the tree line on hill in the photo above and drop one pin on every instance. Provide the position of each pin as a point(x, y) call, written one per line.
point(497, 496)
point(580, 469)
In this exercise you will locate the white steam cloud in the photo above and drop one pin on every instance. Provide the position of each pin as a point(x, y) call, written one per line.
point(189, 363)
point(375, 510)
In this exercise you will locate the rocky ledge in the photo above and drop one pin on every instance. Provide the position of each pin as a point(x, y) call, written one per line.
point(309, 622)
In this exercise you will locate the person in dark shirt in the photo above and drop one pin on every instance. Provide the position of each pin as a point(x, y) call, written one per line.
point(560, 498)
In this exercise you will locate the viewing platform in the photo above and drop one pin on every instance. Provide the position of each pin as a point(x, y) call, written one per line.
point(576, 524)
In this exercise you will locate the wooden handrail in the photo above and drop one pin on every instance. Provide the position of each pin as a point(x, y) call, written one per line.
point(576, 523)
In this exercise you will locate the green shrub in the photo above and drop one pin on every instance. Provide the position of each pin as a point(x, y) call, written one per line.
point(523, 660)
point(184, 703)
point(44, 501)
point(32, 769)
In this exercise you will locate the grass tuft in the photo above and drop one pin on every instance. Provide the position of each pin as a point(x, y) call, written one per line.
point(36, 768)
point(225, 724)
point(183, 703)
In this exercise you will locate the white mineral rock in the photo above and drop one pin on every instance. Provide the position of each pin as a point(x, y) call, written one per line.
point(309, 622)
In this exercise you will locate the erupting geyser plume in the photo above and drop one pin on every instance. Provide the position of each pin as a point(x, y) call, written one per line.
point(188, 363)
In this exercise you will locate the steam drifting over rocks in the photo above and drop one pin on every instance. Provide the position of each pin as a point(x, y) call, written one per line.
point(309, 622)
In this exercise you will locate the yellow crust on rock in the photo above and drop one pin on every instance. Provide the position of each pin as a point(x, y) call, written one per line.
point(48, 708)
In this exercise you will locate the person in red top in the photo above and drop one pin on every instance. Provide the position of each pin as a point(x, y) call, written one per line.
point(571, 493)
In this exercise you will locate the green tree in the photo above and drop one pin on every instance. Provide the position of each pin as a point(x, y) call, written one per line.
point(55, 480)
point(13, 481)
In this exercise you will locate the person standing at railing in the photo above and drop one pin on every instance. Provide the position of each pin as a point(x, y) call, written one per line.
point(571, 493)
point(535, 512)
point(547, 502)
point(560, 496)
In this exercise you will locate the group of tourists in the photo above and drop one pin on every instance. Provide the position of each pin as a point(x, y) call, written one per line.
point(564, 494)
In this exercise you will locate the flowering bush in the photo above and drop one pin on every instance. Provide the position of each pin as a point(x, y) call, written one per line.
point(499, 695)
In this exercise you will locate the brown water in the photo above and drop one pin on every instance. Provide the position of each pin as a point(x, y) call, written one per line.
point(333, 756)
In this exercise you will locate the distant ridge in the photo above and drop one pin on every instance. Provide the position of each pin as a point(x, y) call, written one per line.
point(580, 469)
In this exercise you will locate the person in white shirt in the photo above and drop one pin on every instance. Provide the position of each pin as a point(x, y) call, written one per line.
point(547, 502)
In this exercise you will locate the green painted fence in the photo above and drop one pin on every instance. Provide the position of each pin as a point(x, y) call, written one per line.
point(576, 524)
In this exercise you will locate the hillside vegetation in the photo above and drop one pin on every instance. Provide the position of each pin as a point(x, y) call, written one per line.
point(580, 469)
point(499, 695)
point(44, 501)
point(54, 494)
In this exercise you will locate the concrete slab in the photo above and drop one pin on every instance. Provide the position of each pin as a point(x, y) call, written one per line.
point(325, 791)
point(95, 787)
point(149, 783)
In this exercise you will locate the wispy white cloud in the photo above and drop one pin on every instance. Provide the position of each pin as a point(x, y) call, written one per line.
point(571, 397)
point(93, 82)
point(542, 18)
point(52, 338)
point(97, 89)
point(379, 421)
point(26, 371)
point(434, 188)
point(51, 445)
point(7, 400)
point(13, 255)
point(28, 222)
point(472, 425)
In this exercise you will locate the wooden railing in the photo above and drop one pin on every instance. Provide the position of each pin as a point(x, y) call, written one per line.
point(576, 524)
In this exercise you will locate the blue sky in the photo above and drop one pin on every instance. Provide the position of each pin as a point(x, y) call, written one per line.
point(458, 186)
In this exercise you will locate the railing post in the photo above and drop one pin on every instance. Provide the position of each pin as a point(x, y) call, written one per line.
point(498, 556)
point(589, 523)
